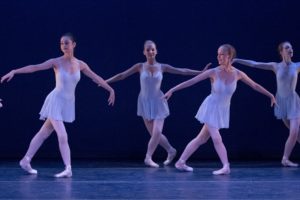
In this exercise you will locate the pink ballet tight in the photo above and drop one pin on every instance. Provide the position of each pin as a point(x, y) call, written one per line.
point(155, 127)
point(46, 130)
point(294, 136)
point(39, 139)
point(205, 133)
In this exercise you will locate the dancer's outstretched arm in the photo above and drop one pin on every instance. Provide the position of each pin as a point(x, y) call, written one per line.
point(183, 71)
point(190, 82)
point(259, 65)
point(243, 77)
point(86, 70)
point(135, 68)
point(28, 69)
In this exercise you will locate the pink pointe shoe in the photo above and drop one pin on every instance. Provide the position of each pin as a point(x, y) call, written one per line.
point(223, 171)
point(288, 163)
point(67, 173)
point(180, 165)
point(25, 165)
point(171, 156)
point(149, 162)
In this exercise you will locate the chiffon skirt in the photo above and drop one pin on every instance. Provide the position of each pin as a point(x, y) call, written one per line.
point(214, 112)
point(152, 107)
point(58, 106)
point(288, 107)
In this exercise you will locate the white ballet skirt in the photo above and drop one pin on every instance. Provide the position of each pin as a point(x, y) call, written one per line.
point(151, 104)
point(288, 101)
point(60, 102)
point(215, 109)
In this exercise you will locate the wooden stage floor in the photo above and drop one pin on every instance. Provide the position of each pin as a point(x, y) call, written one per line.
point(132, 180)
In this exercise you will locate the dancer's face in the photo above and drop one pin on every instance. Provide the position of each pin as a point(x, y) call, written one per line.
point(287, 50)
point(67, 45)
point(150, 51)
point(223, 56)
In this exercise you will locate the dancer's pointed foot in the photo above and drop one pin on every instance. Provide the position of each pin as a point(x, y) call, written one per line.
point(180, 165)
point(149, 162)
point(288, 163)
point(67, 173)
point(223, 171)
point(25, 165)
point(171, 156)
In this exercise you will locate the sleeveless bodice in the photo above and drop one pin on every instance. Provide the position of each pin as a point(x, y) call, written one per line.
point(286, 77)
point(60, 102)
point(151, 104)
point(150, 82)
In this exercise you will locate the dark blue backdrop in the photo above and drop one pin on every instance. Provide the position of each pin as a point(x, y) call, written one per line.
point(110, 36)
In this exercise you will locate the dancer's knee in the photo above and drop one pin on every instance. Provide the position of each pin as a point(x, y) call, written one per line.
point(62, 138)
point(44, 134)
point(293, 135)
point(217, 140)
point(156, 132)
point(201, 139)
point(294, 131)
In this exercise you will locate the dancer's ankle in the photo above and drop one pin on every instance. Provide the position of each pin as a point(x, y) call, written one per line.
point(149, 162)
point(67, 173)
point(68, 167)
point(25, 165)
point(223, 171)
point(287, 163)
point(180, 165)
point(171, 155)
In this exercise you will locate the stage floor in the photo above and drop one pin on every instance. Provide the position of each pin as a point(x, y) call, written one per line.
point(132, 180)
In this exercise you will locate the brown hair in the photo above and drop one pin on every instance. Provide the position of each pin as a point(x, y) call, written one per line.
point(69, 35)
point(280, 46)
point(149, 42)
point(230, 50)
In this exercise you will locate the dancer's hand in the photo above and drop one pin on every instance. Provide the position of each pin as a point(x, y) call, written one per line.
point(111, 98)
point(7, 77)
point(168, 95)
point(273, 101)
